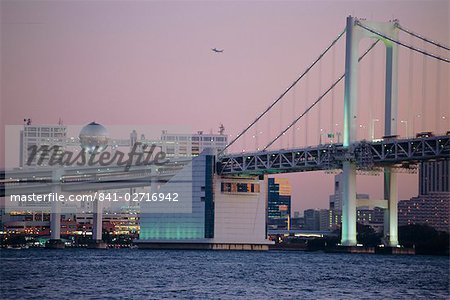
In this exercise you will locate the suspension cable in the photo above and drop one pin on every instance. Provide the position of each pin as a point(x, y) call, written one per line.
point(318, 99)
point(284, 93)
point(421, 37)
point(402, 44)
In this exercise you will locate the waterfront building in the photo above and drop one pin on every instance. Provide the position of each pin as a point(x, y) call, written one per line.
point(212, 212)
point(278, 203)
point(38, 223)
point(431, 209)
point(37, 136)
point(431, 206)
point(125, 223)
point(219, 213)
point(329, 219)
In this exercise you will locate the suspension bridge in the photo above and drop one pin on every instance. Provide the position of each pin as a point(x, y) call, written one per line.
point(388, 153)
point(343, 135)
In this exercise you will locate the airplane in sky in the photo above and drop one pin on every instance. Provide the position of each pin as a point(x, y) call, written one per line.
point(217, 50)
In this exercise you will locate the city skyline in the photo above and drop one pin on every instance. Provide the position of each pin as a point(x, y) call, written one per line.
point(120, 62)
point(224, 149)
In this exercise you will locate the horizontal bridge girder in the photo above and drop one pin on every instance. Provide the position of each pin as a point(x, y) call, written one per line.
point(365, 154)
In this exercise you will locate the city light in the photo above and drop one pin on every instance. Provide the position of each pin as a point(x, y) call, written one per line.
point(305, 173)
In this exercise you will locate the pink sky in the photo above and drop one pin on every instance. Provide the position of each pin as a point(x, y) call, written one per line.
point(150, 63)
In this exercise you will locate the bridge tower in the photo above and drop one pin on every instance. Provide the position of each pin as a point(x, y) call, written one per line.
point(354, 34)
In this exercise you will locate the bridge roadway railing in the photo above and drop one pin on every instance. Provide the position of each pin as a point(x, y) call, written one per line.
point(366, 155)
point(75, 179)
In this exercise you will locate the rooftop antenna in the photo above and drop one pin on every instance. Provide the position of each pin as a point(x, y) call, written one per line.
point(221, 129)
point(27, 121)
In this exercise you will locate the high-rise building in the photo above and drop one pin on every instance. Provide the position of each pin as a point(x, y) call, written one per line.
point(297, 223)
point(369, 215)
point(33, 137)
point(434, 177)
point(431, 209)
point(432, 205)
point(182, 145)
point(311, 219)
point(330, 219)
point(187, 145)
point(279, 203)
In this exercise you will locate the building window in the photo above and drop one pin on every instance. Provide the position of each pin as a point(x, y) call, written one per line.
point(239, 187)
point(170, 150)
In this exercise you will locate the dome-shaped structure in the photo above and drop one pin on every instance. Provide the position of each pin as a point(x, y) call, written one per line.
point(94, 138)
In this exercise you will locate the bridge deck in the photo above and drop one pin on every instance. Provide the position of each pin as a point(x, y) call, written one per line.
point(366, 155)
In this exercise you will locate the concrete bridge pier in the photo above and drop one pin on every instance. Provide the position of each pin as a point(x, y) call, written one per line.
point(349, 205)
point(55, 241)
point(391, 213)
point(97, 218)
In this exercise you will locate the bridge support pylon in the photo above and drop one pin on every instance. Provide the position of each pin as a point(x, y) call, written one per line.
point(354, 34)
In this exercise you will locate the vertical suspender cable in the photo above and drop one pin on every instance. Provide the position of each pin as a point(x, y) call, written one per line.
point(410, 103)
point(268, 129)
point(333, 71)
point(319, 123)
point(441, 46)
point(438, 94)
point(285, 92)
point(424, 63)
point(424, 87)
point(256, 137)
point(371, 96)
point(305, 113)
point(424, 52)
point(306, 106)
point(281, 123)
point(293, 116)
point(422, 114)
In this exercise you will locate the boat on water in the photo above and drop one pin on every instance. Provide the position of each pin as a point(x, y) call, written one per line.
point(17, 247)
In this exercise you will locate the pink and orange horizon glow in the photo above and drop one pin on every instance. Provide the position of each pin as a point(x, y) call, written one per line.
point(148, 63)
